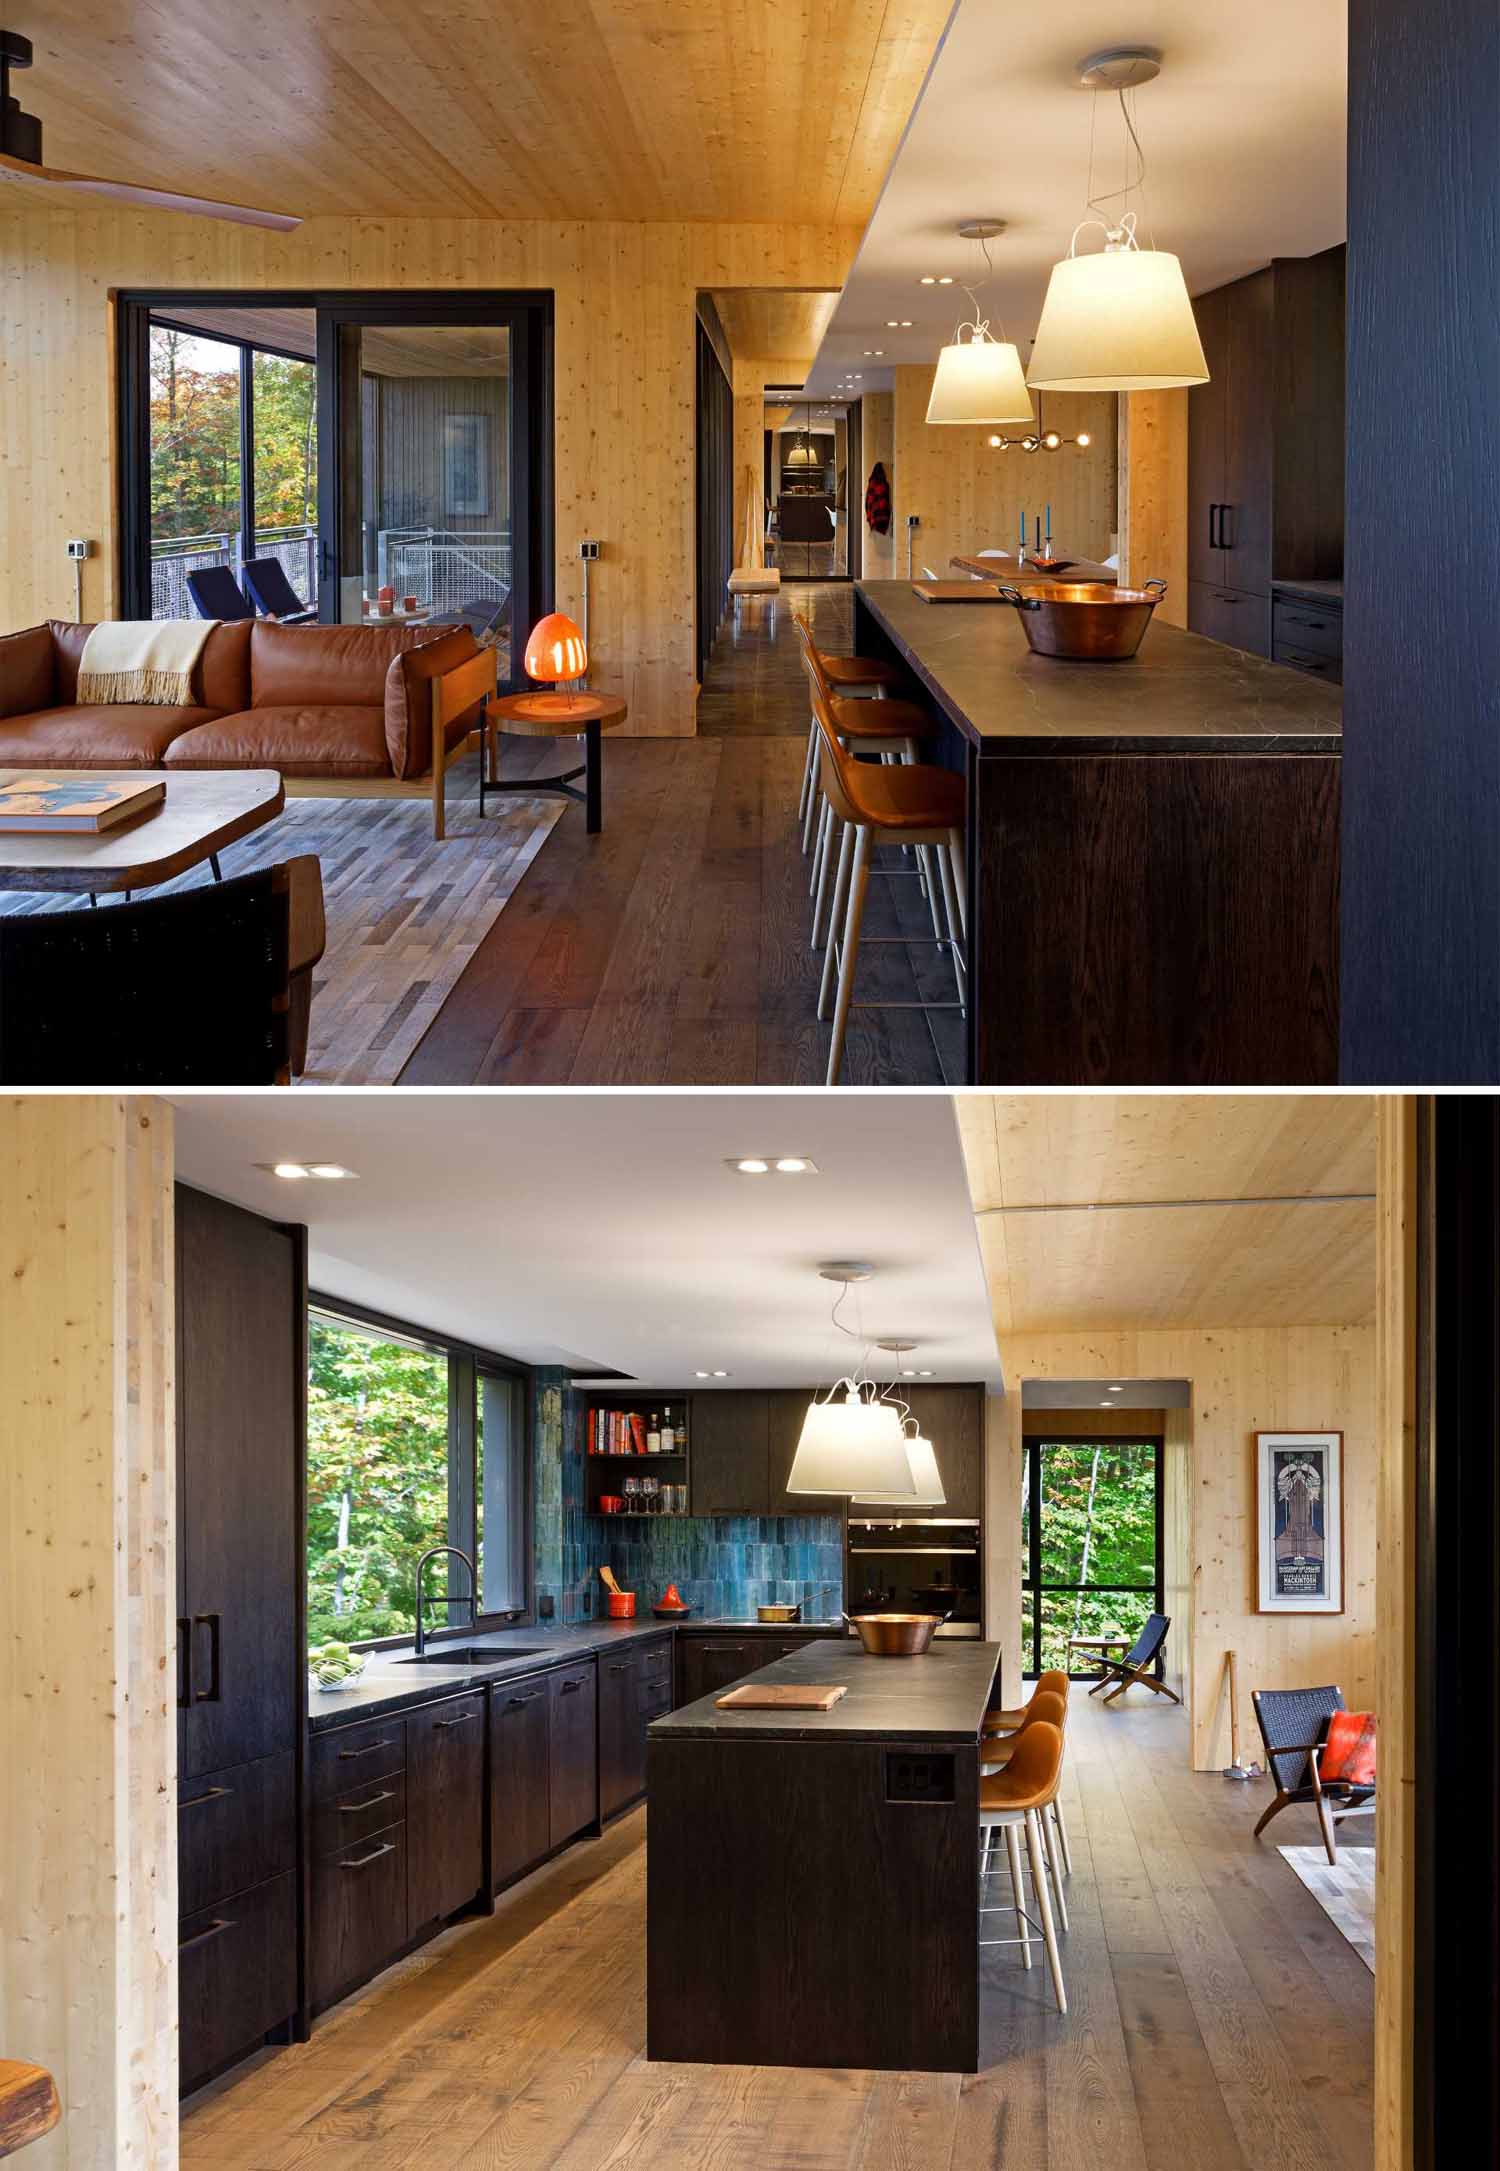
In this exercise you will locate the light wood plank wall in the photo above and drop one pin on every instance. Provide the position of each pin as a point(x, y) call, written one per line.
point(879, 444)
point(748, 386)
point(88, 1864)
point(1395, 1676)
point(968, 497)
point(624, 370)
point(1153, 445)
point(1242, 1381)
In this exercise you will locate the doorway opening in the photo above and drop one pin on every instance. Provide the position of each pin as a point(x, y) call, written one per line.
point(1091, 1540)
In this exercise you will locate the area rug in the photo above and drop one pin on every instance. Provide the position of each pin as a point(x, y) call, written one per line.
point(405, 913)
point(1345, 1890)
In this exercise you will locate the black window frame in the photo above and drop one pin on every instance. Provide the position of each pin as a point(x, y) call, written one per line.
point(527, 311)
point(1032, 1585)
point(466, 1361)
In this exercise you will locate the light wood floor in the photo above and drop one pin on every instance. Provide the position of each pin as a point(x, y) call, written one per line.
point(1217, 2022)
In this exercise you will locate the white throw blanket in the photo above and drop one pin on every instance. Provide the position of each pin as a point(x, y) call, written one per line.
point(143, 659)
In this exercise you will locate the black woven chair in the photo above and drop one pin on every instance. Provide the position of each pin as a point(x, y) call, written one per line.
point(216, 594)
point(1294, 1725)
point(1119, 1674)
point(211, 987)
point(273, 594)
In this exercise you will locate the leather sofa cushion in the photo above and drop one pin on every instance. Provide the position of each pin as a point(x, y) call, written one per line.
point(112, 735)
point(28, 671)
point(408, 700)
point(221, 679)
point(323, 666)
point(297, 739)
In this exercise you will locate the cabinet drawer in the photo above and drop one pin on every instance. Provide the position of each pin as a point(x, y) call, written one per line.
point(237, 1976)
point(235, 1828)
point(358, 1913)
point(1307, 659)
point(655, 1658)
point(367, 1806)
point(653, 1701)
point(338, 1760)
point(1295, 624)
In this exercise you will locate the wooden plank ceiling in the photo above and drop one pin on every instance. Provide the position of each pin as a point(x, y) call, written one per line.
point(781, 327)
point(1160, 1210)
point(519, 109)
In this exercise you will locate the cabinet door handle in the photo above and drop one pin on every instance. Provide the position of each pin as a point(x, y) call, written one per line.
point(201, 1937)
point(1317, 625)
point(348, 1756)
point(213, 1694)
point(1226, 529)
point(570, 1687)
point(362, 1861)
point(514, 1702)
point(623, 1666)
point(462, 1720)
point(354, 1809)
point(213, 1794)
point(184, 1662)
point(1213, 527)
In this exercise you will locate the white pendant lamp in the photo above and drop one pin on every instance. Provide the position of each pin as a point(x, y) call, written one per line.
point(979, 380)
point(852, 1444)
point(925, 1476)
point(1117, 320)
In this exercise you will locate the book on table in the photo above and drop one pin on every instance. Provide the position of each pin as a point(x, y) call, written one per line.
point(83, 806)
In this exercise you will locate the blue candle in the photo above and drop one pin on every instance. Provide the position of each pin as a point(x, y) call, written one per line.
point(1023, 531)
point(1049, 523)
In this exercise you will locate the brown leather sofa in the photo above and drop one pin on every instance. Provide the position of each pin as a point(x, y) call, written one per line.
point(345, 702)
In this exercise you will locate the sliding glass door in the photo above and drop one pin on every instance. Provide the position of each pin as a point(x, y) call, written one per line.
point(1091, 1529)
point(391, 451)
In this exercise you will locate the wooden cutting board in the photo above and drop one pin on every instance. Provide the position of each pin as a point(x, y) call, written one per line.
point(779, 1697)
point(956, 591)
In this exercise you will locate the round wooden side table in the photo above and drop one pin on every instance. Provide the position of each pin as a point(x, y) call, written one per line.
point(552, 716)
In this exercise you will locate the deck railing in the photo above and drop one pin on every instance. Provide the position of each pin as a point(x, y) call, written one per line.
point(173, 557)
point(445, 567)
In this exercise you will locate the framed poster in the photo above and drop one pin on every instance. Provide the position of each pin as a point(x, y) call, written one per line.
point(466, 464)
point(1299, 1522)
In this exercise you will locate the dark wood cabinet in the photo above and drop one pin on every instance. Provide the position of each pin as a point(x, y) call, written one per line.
point(444, 1809)
point(708, 1663)
point(622, 1736)
point(358, 1913)
point(520, 1778)
point(572, 1762)
point(240, 1378)
point(236, 1976)
point(1265, 445)
point(239, 1399)
point(952, 1418)
point(786, 1413)
point(729, 1463)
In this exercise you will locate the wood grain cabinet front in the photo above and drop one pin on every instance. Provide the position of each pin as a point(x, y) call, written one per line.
point(349, 1756)
point(709, 1663)
point(572, 1759)
point(236, 1974)
point(358, 1913)
point(235, 1829)
point(520, 1777)
point(444, 1810)
point(622, 1732)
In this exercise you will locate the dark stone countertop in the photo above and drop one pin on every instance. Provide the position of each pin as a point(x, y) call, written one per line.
point(1330, 592)
point(1180, 693)
point(941, 1696)
point(389, 1684)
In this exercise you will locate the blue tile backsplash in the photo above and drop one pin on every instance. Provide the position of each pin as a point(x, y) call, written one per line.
point(723, 1565)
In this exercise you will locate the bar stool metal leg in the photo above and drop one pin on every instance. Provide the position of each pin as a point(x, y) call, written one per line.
point(835, 918)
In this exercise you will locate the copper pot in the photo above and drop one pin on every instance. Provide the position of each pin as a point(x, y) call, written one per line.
point(1087, 621)
point(895, 1635)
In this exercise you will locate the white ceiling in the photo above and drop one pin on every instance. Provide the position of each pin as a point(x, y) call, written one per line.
point(1243, 134)
point(604, 1229)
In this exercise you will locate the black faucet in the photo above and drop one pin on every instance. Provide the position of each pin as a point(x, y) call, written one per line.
point(448, 1600)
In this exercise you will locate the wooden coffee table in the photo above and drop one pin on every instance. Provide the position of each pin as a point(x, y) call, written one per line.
point(552, 716)
point(202, 812)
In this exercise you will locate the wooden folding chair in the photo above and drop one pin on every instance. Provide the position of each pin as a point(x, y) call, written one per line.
point(1136, 1665)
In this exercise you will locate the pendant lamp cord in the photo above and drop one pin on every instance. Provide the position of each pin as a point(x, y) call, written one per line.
point(1132, 182)
point(979, 327)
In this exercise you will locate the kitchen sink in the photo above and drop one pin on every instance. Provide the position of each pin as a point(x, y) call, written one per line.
point(472, 1654)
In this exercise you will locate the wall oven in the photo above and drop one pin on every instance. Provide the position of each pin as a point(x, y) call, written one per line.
point(916, 1564)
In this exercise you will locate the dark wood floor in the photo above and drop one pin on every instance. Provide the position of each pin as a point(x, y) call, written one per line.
point(1217, 2021)
point(672, 949)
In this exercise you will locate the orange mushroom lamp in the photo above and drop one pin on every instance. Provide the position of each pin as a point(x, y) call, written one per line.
point(557, 651)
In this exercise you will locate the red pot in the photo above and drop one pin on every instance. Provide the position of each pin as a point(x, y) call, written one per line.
point(621, 1605)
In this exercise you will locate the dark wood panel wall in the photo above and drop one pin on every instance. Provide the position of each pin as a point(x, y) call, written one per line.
point(1421, 873)
point(715, 492)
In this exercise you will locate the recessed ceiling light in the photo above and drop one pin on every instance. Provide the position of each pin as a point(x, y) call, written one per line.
point(1106, 1405)
point(794, 1165)
point(330, 1171)
point(291, 1170)
point(924, 1372)
point(946, 279)
point(928, 279)
point(905, 324)
point(781, 1164)
point(752, 1167)
point(908, 1371)
point(892, 324)
point(1117, 1390)
point(295, 1171)
point(721, 1375)
point(700, 1375)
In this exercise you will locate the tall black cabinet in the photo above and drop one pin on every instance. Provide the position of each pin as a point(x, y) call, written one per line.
point(241, 1389)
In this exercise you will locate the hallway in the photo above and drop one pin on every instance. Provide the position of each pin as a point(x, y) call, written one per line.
point(673, 948)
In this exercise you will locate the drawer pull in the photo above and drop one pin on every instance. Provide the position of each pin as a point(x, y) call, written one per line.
point(462, 1720)
point(623, 1666)
point(362, 1861)
point(348, 1756)
point(1317, 625)
point(569, 1687)
point(213, 1794)
point(530, 1698)
point(201, 1937)
point(373, 1801)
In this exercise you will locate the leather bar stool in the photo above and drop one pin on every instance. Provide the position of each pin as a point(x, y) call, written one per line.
point(1052, 1682)
point(1050, 1709)
point(849, 678)
point(916, 804)
point(1012, 1802)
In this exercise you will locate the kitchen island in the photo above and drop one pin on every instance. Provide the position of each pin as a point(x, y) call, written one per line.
point(1152, 850)
point(812, 1876)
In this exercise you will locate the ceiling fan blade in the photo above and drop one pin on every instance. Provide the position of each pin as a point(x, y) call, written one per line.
point(157, 199)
